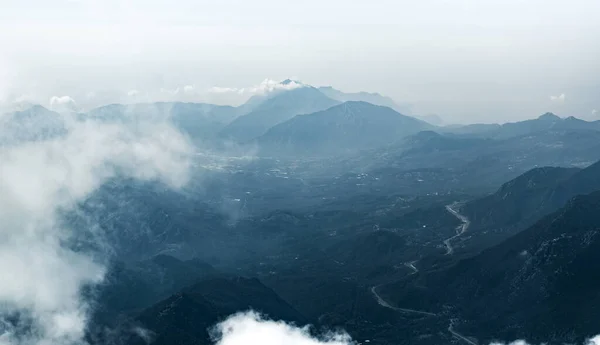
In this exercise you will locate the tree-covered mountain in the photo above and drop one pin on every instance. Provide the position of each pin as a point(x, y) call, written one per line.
point(540, 285)
point(188, 316)
point(529, 197)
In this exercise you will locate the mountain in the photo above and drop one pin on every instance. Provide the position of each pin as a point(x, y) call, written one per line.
point(527, 198)
point(279, 108)
point(187, 316)
point(345, 128)
point(369, 97)
point(134, 286)
point(547, 121)
point(31, 124)
point(198, 120)
point(541, 284)
point(433, 119)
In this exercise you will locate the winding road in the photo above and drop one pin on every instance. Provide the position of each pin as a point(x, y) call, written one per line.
point(460, 230)
point(385, 304)
point(458, 335)
point(412, 266)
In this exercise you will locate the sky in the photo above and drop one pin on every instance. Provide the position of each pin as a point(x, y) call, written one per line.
point(465, 60)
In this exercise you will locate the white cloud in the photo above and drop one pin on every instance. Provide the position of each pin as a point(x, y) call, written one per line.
point(558, 99)
point(189, 89)
point(217, 89)
point(133, 93)
point(595, 340)
point(251, 328)
point(42, 277)
point(63, 104)
point(265, 87)
point(55, 100)
point(169, 91)
point(594, 111)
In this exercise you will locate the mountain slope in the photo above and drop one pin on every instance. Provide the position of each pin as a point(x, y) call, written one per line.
point(186, 317)
point(276, 109)
point(31, 124)
point(344, 128)
point(198, 120)
point(542, 284)
point(548, 121)
point(522, 201)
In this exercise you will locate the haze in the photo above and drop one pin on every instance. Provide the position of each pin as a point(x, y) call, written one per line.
point(467, 61)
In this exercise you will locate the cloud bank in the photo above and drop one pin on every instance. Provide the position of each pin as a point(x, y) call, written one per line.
point(251, 328)
point(42, 274)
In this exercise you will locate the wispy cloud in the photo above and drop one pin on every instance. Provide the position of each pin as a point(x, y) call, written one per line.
point(266, 86)
point(133, 93)
point(559, 99)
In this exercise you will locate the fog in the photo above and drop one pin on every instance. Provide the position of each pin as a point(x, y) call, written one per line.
point(42, 273)
point(466, 60)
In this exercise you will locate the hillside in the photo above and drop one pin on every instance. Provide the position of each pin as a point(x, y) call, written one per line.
point(274, 110)
point(346, 128)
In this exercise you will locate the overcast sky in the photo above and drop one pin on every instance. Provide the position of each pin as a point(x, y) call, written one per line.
point(466, 60)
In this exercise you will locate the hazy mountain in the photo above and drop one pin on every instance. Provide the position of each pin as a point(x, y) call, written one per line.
point(198, 120)
point(276, 109)
point(344, 128)
point(31, 124)
point(433, 119)
point(369, 97)
point(548, 121)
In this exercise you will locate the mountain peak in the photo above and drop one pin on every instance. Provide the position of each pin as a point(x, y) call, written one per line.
point(549, 117)
point(290, 81)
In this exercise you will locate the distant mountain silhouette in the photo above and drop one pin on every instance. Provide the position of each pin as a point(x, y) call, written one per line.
point(344, 128)
point(33, 123)
point(274, 110)
point(547, 121)
point(198, 120)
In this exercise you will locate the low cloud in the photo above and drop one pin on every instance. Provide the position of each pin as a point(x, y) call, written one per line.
point(217, 89)
point(42, 274)
point(594, 111)
point(63, 104)
point(265, 87)
point(133, 93)
point(591, 341)
point(189, 89)
point(252, 328)
point(558, 99)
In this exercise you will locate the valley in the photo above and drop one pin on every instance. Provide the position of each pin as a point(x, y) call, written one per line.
point(392, 229)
